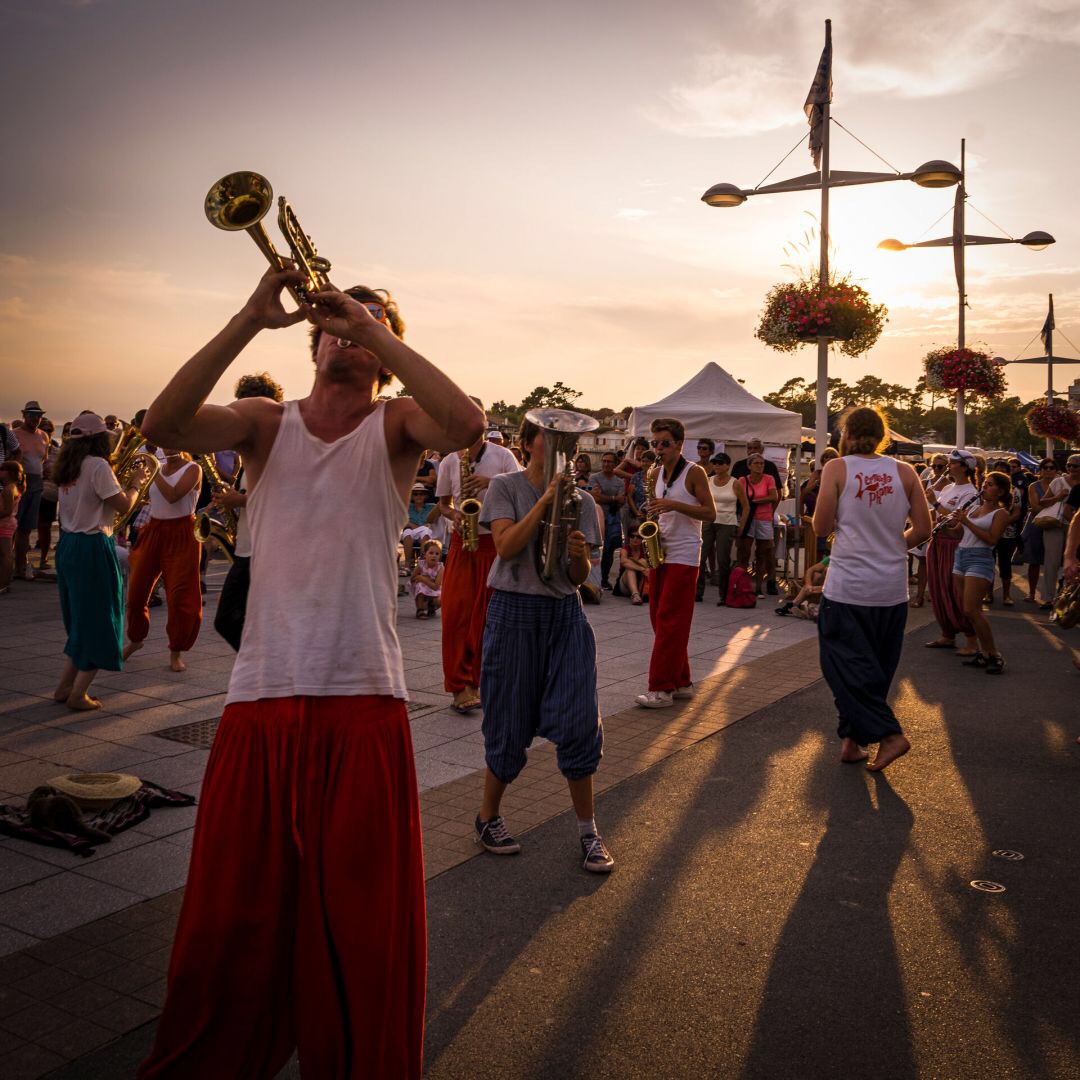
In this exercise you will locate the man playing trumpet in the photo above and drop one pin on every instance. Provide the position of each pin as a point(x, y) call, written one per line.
point(303, 920)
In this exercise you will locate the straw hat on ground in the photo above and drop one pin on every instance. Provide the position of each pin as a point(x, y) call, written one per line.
point(96, 791)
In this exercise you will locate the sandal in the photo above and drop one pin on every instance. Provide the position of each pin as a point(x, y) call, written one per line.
point(916, 602)
point(635, 599)
point(940, 643)
point(465, 707)
point(995, 664)
point(421, 614)
point(1007, 602)
point(978, 660)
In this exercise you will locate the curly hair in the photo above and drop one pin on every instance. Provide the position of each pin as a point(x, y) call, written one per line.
point(393, 317)
point(864, 430)
point(259, 384)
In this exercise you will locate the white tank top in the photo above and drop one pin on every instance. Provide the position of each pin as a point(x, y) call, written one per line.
point(324, 522)
point(984, 521)
point(868, 561)
point(727, 502)
point(681, 534)
point(161, 508)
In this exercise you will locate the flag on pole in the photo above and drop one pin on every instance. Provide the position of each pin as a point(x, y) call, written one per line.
point(820, 94)
point(958, 236)
point(1048, 327)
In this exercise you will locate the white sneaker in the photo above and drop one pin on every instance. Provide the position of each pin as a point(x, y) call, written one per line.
point(655, 699)
point(28, 572)
point(683, 692)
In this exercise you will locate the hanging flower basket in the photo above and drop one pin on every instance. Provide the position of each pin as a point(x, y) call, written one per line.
point(964, 369)
point(1054, 422)
point(800, 313)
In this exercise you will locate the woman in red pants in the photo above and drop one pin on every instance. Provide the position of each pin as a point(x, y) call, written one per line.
point(167, 548)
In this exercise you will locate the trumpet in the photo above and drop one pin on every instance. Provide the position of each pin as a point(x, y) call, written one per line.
point(126, 460)
point(562, 429)
point(239, 202)
point(207, 527)
point(649, 529)
point(469, 508)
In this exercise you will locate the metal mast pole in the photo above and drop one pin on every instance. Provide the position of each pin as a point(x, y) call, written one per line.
point(821, 411)
point(1050, 373)
point(959, 233)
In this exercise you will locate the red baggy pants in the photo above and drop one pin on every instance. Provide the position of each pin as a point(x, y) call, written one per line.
point(948, 607)
point(672, 589)
point(465, 596)
point(303, 919)
point(166, 548)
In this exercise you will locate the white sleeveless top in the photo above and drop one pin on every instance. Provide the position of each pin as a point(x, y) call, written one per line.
point(681, 535)
point(868, 561)
point(969, 540)
point(162, 509)
point(324, 520)
point(727, 502)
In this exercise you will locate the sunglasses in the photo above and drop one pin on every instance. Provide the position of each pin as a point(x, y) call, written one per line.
point(661, 444)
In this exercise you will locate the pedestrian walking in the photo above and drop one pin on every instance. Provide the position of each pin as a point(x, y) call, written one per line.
point(866, 501)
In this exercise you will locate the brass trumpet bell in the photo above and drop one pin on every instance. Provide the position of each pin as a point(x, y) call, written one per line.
point(238, 201)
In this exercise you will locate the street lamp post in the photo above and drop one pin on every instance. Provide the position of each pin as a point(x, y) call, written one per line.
point(959, 242)
point(1049, 359)
point(933, 174)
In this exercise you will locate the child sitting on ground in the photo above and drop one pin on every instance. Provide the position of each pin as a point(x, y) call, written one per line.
point(427, 578)
point(806, 600)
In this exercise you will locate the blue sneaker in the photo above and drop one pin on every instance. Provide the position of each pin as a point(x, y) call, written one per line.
point(597, 857)
point(492, 836)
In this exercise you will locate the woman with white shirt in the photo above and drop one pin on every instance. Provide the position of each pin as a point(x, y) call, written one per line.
point(167, 548)
point(1053, 540)
point(732, 511)
point(946, 495)
point(87, 572)
point(866, 501)
point(973, 565)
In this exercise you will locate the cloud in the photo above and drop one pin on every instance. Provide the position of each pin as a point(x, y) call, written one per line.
point(746, 86)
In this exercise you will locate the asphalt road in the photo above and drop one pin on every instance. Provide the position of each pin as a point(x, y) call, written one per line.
point(776, 914)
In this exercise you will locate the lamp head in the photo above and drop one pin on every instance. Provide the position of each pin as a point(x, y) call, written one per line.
point(723, 195)
point(935, 174)
point(999, 360)
point(1037, 241)
point(892, 245)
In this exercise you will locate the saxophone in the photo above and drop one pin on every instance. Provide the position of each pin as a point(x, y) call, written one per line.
point(649, 530)
point(469, 508)
point(207, 527)
point(1066, 611)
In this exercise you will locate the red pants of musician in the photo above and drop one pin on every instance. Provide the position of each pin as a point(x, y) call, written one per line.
point(672, 589)
point(166, 548)
point(303, 919)
point(465, 596)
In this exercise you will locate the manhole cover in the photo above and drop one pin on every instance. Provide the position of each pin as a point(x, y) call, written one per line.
point(987, 886)
point(1005, 853)
point(200, 734)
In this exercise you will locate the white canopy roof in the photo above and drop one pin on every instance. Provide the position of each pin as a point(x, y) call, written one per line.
point(713, 405)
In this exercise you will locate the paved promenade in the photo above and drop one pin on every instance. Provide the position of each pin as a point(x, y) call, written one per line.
point(714, 843)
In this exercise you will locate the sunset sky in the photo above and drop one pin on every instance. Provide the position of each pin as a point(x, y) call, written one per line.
point(524, 178)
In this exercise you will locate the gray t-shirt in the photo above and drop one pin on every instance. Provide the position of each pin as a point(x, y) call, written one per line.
point(608, 485)
point(510, 497)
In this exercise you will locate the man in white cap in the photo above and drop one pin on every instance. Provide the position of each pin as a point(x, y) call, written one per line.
point(34, 450)
point(495, 436)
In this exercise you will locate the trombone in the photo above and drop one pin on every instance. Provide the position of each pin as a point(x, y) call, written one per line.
point(239, 202)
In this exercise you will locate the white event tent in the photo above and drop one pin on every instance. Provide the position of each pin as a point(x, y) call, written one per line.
point(713, 405)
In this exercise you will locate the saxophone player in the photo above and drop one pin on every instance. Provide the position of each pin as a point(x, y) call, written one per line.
point(465, 475)
point(539, 670)
point(682, 498)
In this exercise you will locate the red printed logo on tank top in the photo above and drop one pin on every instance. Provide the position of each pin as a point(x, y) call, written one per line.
point(876, 486)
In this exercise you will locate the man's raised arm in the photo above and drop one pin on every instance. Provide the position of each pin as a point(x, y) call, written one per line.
point(179, 416)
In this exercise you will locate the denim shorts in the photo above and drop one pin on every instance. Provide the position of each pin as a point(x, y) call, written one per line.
point(974, 562)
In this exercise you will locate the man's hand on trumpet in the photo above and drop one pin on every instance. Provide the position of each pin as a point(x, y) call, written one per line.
point(264, 309)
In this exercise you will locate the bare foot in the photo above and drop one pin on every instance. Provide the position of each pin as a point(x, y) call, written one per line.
point(83, 704)
point(889, 749)
point(851, 751)
point(62, 693)
point(175, 663)
point(130, 648)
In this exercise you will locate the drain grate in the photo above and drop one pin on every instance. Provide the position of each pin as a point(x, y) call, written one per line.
point(987, 886)
point(1007, 853)
point(201, 733)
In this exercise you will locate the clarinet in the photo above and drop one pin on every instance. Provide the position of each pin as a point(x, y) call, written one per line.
point(947, 522)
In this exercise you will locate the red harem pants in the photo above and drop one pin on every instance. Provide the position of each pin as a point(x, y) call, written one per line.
point(465, 596)
point(303, 920)
point(948, 609)
point(672, 589)
point(166, 548)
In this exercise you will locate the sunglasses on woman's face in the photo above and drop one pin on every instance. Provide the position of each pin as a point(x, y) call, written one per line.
point(661, 444)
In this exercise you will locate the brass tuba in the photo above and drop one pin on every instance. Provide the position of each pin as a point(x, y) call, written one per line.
point(208, 527)
point(562, 428)
point(649, 529)
point(240, 201)
point(127, 458)
point(469, 508)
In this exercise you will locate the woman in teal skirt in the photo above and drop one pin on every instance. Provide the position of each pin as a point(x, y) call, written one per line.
point(88, 574)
